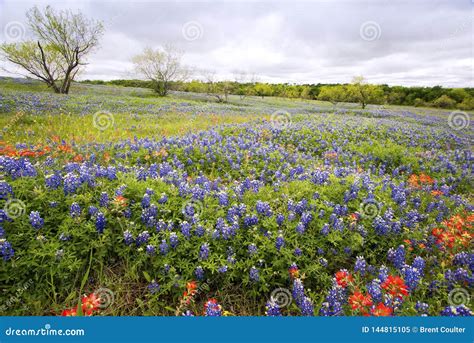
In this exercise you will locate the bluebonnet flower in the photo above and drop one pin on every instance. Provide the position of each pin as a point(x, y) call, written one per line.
point(223, 199)
point(104, 199)
point(222, 269)
point(153, 287)
point(188, 313)
point(252, 249)
point(150, 249)
point(212, 308)
point(75, 210)
point(186, 229)
point(5, 190)
point(6, 249)
point(397, 256)
point(306, 218)
point(323, 261)
point(163, 199)
point(325, 230)
point(164, 247)
point(298, 252)
point(250, 220)
point(174, 240)
point(128, 237)
point(53, 181)
point(35, 220)
point(280, 218)
point(306, 307)
point(146, 201)
point(263, 208)
point(457, 311)
point(254, 274)
point(375, 290)
point(383, 273)
point(199, 231)
point(419, 263)
point(280, 242)
point(100, 222)
point(204, 251)
point(149, 216)
point(422, 308)
point(300, 228)
point(360, 265)
point(298, 291)
point(272, 309)
point(199, 272)
point(142, 238)
point(71, 183)
point(93, 210)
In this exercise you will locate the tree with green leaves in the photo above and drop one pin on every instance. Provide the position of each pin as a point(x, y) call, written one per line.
point(333, 94)
point(62, 40)
point(362, 92)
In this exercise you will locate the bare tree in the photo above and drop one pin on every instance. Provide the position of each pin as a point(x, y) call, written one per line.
point(161, 66)
point(62, 41)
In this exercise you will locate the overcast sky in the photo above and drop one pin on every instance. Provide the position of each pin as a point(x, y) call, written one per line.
point(405, 42)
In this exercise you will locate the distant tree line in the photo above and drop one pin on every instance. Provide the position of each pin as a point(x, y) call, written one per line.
point(358, 92)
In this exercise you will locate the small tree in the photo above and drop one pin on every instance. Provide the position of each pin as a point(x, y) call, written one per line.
point(62, 42)
point(263, 89)
point(333, 94)
point(364, 93)
point(444, 101)
point(161, 66)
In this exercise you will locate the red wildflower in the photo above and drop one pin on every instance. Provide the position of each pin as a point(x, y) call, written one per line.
point(294, 271)
point(343, 278)
point(381, 310)
point(90, 303)
point(395, 286)
point(359, 301)
point(71, 312)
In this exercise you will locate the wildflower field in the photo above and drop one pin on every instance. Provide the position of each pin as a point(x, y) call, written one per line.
point(117, 202)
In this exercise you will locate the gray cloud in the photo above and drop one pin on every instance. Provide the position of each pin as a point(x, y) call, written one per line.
point(418, 42)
